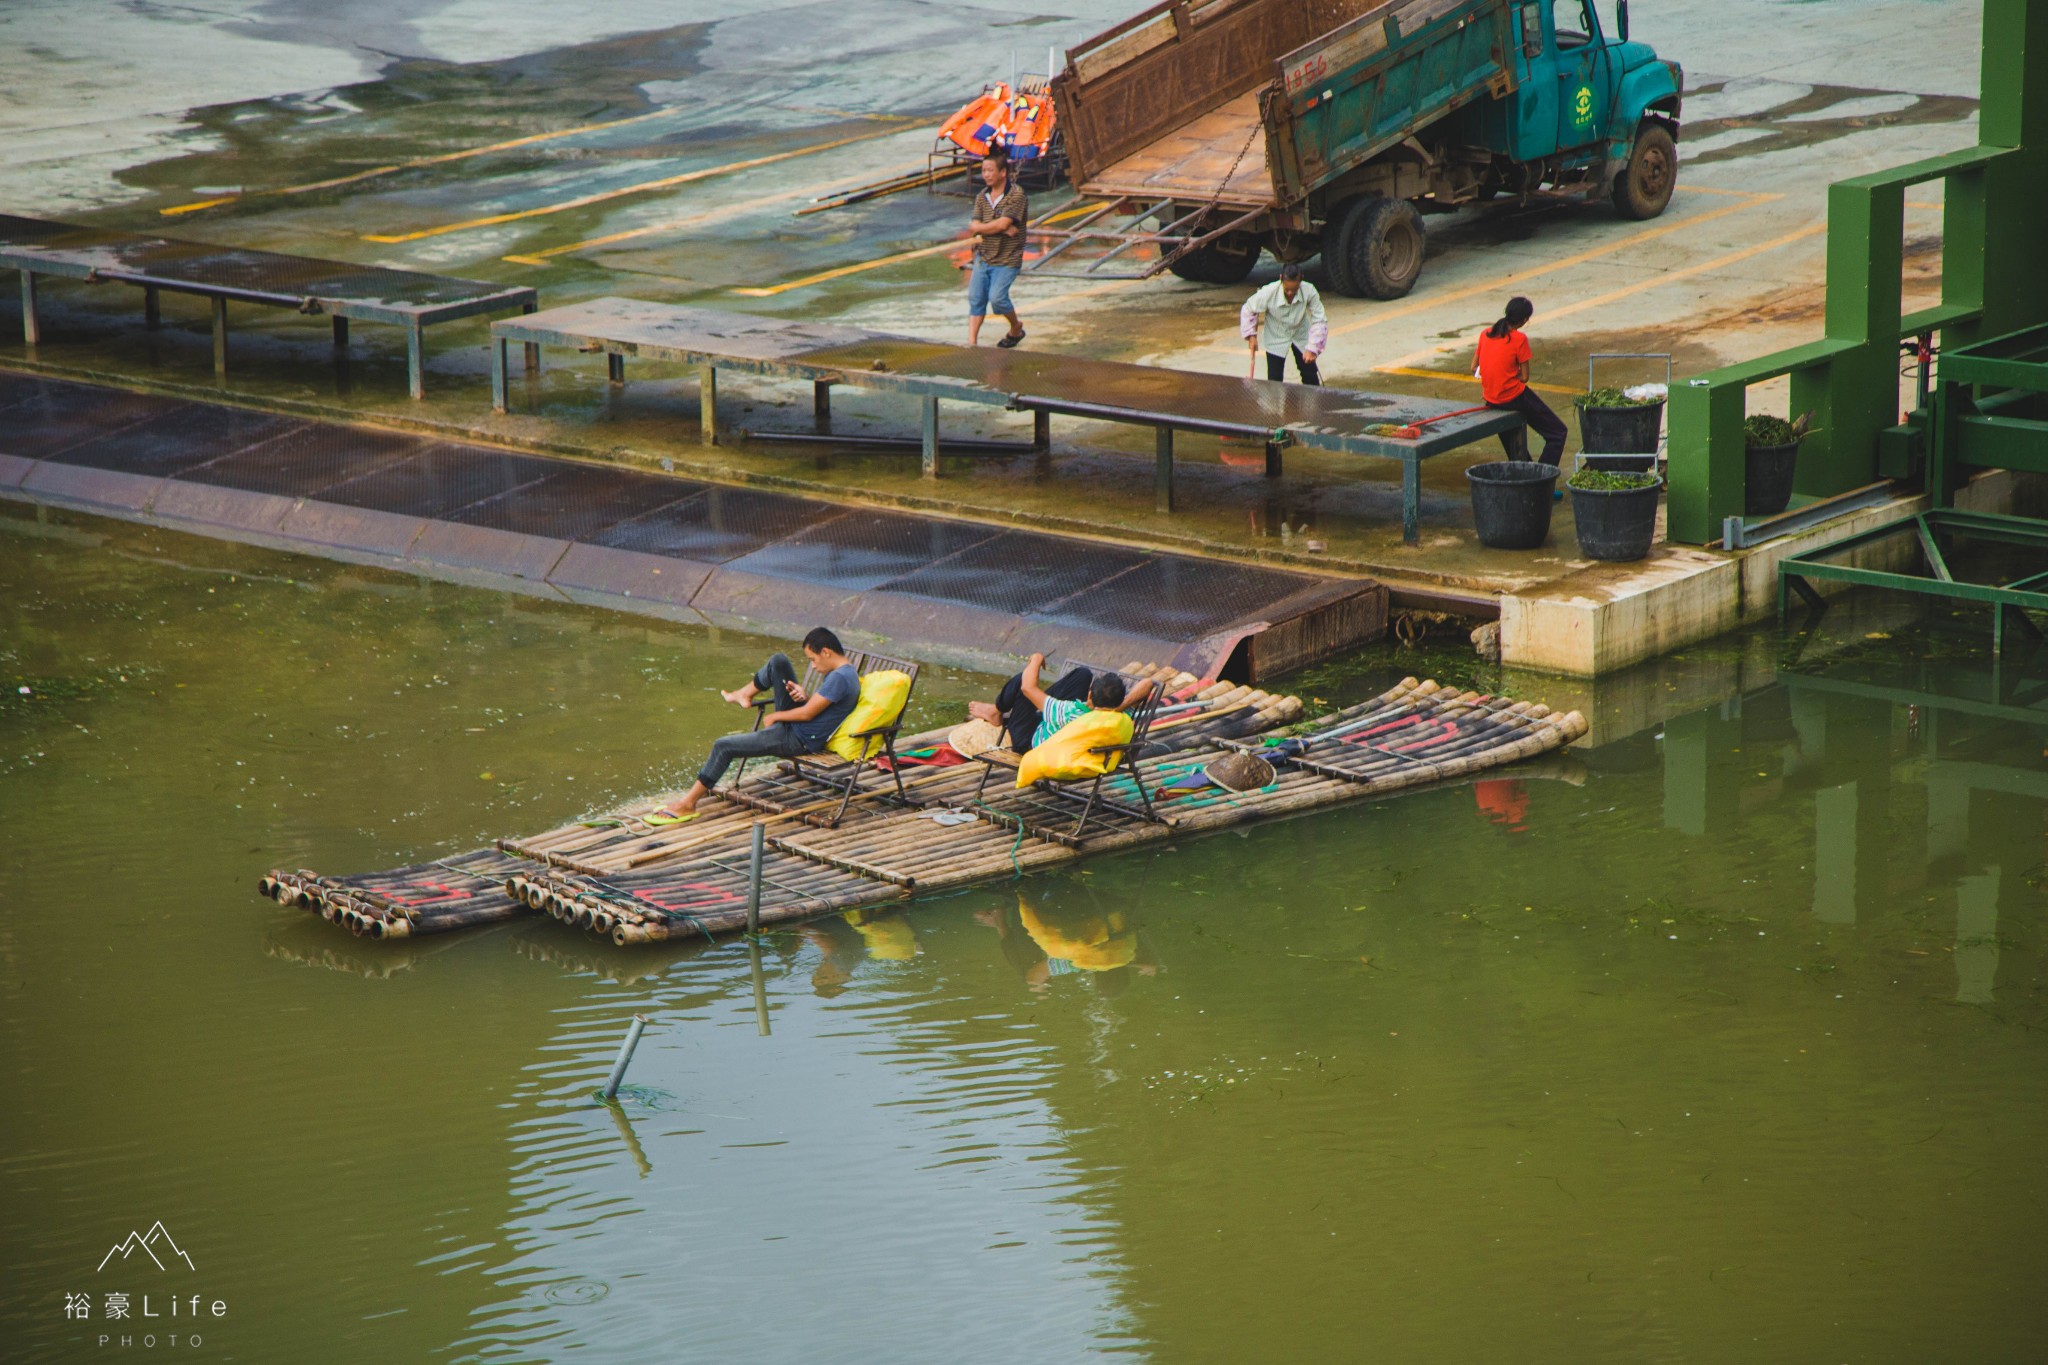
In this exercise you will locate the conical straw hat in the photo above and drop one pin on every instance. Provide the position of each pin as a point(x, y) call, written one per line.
point(976, 736)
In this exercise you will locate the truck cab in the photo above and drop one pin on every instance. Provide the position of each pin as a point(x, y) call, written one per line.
point(1584, 96)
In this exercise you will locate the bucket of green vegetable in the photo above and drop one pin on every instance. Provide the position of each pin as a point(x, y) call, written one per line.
point(1613, 423)
point(1614, 514)
point(1770, 459)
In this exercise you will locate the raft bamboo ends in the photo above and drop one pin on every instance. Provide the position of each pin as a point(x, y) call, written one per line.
point(633, 883)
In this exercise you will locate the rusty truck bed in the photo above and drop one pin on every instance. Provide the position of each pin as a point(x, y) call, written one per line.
point(1220, 154)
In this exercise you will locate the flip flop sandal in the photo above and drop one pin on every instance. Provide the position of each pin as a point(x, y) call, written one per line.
point(661, 819)
point(1010, 340)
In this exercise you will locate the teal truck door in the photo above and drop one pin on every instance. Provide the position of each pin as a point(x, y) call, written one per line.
point(1582, 86)
point(1534, 127)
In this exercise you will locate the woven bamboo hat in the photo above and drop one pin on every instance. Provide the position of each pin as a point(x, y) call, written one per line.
point(975, 737)
point(1239, 772)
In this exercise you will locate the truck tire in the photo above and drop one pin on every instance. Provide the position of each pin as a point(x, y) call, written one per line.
point(1644, 186)
point(1228, 260)
point(1385, 249)
point(1337, 233)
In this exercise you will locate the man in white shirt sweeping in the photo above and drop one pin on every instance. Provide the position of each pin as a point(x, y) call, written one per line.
point(1290, 314)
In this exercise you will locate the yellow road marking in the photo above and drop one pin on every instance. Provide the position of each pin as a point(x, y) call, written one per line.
point(444, 157)
point(642, 187)
point(1463, 378)
point(1402, 365)
point(1513, 277)
point(766, 291)
point(675, 224)
point(1686, 272)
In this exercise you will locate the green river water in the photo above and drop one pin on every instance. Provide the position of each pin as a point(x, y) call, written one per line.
point(1724, 1040)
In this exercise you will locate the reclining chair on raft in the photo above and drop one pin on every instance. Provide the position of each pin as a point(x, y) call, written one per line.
point(869, 732)
point(1056, 777)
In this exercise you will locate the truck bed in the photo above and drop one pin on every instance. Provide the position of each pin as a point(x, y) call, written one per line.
point(1190, 163)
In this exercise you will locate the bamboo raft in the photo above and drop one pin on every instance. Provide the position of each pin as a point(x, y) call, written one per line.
point(618, 877)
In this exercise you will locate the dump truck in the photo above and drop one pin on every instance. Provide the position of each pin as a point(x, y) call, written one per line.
point(1209, 131)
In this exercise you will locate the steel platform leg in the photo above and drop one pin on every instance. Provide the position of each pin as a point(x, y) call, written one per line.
point(31, 328)
point(1272, 459)
point(220, 340)
point(1041, 432)
point(1411, 498)
point(499, 347)
point(615, 367)
point(707, 405)
point(1162, 470)
point(340, 333)
point(152, 311)
point(415, 368)
point(821, 404)
point(930, 432)
point(532, 347)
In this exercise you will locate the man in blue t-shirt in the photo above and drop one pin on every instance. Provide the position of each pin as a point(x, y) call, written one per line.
point(801, 727)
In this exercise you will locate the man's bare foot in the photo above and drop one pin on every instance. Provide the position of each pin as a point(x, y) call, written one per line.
point(982, 710)
point(740, 696)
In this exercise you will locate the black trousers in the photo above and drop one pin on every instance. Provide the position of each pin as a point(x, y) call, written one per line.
point(775, 679)
point(1020, 716)
point(1276, 368)
point(1541, 420)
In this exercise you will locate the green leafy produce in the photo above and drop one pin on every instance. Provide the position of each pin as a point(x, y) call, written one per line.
point(1613, 398)
point(1765, 430)
point(1603, 481)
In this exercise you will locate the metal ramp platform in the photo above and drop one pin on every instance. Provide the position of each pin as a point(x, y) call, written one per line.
point(224, 275)
point(1341, 421)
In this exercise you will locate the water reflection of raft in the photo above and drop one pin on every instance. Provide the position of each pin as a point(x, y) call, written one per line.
point(633, 884)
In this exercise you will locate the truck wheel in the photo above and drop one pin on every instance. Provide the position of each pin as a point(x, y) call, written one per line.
point(1386, 247)
point(1644, 186)
point(1227, 260)
point(1337, 235)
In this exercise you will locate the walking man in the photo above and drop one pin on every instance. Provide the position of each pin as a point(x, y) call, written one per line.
point(1000, 216)
point(1290, 314)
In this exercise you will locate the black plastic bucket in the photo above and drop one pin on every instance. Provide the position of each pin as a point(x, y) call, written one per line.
point(1767, 479)
point(1511, 503)
point(1622, 431)
point(1617, 525)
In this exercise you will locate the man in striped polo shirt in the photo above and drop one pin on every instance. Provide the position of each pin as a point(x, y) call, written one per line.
point(1000, 214)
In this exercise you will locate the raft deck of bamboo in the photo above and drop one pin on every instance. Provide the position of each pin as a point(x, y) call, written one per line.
point(621, 878)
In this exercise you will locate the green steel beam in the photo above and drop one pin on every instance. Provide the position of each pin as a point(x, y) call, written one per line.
point(1994, 281)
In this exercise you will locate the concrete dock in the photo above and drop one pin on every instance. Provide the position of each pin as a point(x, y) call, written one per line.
point(704, 140)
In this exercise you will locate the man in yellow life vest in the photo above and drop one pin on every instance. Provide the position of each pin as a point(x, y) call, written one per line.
point(801, 726)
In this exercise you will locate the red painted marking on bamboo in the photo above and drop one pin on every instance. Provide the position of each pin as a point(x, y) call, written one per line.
point(717, 896)
point(448, 893)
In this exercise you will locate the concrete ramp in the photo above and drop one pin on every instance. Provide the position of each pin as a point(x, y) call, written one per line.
point(960, 592)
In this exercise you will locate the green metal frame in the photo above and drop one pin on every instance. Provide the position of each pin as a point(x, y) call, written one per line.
point(1990, 234)
point(2007, 600)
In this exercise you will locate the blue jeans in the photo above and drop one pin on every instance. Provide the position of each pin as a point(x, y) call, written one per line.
point(988, 286)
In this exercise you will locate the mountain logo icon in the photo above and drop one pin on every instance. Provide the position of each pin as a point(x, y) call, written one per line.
point(157, 1244)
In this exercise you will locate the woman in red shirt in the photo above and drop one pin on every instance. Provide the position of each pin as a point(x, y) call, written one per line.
point(1503, 365)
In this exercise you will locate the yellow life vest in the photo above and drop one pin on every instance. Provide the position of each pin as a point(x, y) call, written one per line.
point(1065, 756)
point(882, 694)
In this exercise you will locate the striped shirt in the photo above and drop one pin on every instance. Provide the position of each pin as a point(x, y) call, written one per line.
point(1053, 717)
point(1002, 248)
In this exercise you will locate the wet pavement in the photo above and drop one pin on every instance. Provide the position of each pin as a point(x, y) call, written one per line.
point(667, 163)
